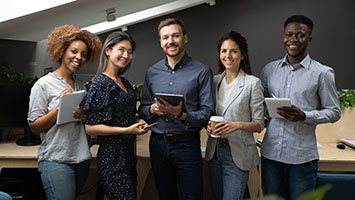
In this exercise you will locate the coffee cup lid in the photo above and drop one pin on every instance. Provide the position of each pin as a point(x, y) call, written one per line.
point(217, 119)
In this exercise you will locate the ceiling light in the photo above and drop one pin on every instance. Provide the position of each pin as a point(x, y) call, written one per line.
point(124, 28)
point(143, 15)
point(110, 14)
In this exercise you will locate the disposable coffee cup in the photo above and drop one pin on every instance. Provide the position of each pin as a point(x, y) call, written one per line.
point(215, 120)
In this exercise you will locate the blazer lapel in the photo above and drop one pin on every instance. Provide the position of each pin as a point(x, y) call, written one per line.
point(237, 89)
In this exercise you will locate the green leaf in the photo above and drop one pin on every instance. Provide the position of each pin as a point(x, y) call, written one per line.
point(346, 98)
point(138, 89)
point(87, 84)
point(316, 194)
point(9, 75)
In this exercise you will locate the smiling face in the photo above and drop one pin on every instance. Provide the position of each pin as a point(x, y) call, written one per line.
point(172, 40)
point(120, 55)
point(75, 56)
point(230, 55)
point(296, 39)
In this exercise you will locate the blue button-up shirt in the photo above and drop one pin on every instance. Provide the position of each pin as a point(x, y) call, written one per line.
point(190, 78)
point(311, 87)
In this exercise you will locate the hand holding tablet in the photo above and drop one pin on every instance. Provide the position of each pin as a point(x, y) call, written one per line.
point(172, 99)
point(273, 103)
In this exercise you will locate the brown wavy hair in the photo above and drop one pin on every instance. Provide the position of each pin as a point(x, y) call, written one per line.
point(243, 46)
point(61, 37)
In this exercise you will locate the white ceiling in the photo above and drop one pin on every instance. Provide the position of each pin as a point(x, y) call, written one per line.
point(85, 13)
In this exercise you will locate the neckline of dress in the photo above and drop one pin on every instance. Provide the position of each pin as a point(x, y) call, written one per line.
point(125, 91)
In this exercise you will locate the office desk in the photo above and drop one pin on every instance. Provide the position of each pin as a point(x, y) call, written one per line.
point(331, 160)
point(14, 156)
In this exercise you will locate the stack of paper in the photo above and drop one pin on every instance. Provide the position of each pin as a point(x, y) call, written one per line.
point(350, 143)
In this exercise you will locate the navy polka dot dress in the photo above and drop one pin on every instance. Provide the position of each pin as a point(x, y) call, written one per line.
point(106, 103)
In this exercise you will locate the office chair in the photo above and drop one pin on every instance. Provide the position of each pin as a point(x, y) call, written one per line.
point(342, 185)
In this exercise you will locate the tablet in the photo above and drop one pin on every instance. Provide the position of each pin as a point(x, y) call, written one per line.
point(273, 103)
point(172, 99)
point(68, 104)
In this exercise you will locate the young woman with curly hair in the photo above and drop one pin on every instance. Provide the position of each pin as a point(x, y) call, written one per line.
point(64, 154)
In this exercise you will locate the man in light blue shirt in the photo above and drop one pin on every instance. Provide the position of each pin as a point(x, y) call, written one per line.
point(289, 151)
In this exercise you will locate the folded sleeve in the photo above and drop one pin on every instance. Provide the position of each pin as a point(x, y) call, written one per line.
point(38, 105)
point(97, 103)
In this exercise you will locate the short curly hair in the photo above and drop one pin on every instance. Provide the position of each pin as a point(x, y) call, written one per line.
point(61, 37)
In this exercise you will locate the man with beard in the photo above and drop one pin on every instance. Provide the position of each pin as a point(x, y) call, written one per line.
point(174, 145)
point(289, 150)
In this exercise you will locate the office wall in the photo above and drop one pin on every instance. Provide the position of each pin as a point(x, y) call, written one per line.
point(18, 54)
point(261, 22)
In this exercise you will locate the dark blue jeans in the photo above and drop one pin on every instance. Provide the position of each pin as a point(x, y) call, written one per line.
point(177, 168)
point(227, 180)
point(286, 180)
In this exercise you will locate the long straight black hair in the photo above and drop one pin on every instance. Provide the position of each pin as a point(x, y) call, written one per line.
point(111, 40)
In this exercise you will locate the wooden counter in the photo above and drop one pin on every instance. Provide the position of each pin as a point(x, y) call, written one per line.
point(332, 159)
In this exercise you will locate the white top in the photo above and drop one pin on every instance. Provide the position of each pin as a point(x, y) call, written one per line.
point(66, 143)
point(223, 95)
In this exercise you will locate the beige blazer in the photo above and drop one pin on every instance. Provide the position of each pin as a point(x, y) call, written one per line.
point(245, 104)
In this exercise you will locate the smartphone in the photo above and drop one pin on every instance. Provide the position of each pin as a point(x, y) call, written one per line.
point(152, 124)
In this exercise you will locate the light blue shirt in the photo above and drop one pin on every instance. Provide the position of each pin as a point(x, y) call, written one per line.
point(311, 87)
point(66, 143)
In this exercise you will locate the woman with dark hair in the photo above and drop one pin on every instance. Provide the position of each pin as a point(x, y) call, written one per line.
point(64, 154)
point(110, 106)
point(231, 152)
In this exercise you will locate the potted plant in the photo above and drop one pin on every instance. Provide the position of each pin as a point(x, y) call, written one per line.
point(346, 98)
point(345, 126)
point(9, 76)
point(138, 88)
point(347, 104)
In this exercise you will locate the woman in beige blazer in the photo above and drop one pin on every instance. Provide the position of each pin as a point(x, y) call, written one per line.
point(239, 99)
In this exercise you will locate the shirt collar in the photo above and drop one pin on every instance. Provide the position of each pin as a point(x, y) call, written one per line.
point(181, 63)
point(304, 63)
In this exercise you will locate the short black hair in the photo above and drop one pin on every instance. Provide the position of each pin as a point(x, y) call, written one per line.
point(300, 19)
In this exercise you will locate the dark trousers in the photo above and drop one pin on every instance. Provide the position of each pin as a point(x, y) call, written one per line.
point(177, 168)
point(287, 180)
